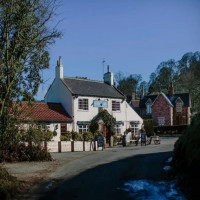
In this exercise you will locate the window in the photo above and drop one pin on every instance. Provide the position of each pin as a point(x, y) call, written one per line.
point(63, 129)
point(148, 108)
point(178, 107)
point(161, 121)
point(135, 128)
point(83, 104)
point(115, 106)
point(83, 128)
point(118, 129)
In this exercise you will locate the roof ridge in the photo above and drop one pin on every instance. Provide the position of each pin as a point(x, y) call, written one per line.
point(82, 79)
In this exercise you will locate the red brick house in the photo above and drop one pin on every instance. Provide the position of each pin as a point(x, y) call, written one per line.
point(166, 109)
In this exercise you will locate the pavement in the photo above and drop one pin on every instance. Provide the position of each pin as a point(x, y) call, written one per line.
point(92, 175)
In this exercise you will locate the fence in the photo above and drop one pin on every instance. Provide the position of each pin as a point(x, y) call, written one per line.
point(71, 146)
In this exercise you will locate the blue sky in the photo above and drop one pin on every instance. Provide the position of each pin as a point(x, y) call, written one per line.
point(132, 36)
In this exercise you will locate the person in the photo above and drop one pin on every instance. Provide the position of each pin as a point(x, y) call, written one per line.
point(143, 136)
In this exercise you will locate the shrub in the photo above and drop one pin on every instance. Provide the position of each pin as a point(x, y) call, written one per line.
point(21, 152)
point(115, 139)
point(66, 136)
point(186, 159)
point(77, 136)
point(148, 126)
point(36, 135)
point(88, 136)
point(8, 185)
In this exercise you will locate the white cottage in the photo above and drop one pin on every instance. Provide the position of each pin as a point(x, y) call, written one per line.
point(81, 98)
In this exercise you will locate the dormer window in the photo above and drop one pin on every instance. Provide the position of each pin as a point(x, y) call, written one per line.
point(148, 106)
point(178, 107)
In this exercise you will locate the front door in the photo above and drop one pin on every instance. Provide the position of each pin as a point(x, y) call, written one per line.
point(106, 134)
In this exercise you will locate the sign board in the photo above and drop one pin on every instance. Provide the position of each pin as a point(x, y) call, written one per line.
point(100, 141)
point(143, 137)
point(100, 103)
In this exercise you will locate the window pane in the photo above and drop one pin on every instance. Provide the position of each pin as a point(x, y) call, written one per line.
point(115, 106)
point(83, 104)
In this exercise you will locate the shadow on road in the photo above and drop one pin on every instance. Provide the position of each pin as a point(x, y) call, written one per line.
point(102, 181)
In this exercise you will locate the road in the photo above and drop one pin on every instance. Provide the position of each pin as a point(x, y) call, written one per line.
point(97, 175)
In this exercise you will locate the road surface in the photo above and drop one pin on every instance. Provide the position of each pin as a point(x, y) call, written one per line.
point(96, 175)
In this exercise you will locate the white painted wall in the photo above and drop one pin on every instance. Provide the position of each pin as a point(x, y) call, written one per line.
point(126, 114)
point(58, 93)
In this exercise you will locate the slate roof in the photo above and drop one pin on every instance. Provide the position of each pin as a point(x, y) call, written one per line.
point(85, 87)
point(185, 97)
point(145, 99)
point(42, 111)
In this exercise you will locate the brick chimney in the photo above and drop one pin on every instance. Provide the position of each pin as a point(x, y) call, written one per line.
point(108, 77)
point(171, 89)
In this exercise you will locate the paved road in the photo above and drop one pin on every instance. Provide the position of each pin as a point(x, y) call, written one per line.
point(97, 175)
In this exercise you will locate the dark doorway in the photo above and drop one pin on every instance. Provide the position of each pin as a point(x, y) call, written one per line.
point(106, 134)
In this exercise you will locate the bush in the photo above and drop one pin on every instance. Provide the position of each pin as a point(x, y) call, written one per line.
point(66, 136)
point(148, 126)
point(186, 159)
point(21, 152)
point(35, 135)
point(115, 139)
point(8, 185)
point(77, 136)
point(88, 136)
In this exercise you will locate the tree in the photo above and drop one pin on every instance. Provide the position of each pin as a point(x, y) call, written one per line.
point(161, 78)
point(128, 85)
point(25, 36)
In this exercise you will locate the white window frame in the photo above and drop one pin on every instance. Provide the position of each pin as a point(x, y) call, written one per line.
point(83, 104)
point(135, 128)
point(161, 121)
point(116, 106)
point(118, 129)
point(83, 128)
point(148, 105)
point(178, 107)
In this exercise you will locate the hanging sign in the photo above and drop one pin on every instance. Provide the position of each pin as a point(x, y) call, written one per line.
point(100, 103)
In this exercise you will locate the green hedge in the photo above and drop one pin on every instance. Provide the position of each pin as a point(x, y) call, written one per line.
point(186, 159)
point(169, 130)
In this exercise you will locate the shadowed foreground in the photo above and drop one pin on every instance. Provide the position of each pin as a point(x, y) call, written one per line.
point(102, 181)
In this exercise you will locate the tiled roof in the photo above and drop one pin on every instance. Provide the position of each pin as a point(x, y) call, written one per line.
point(85, 87)
point(185, 97)
point(41, 111)
point(145, 99)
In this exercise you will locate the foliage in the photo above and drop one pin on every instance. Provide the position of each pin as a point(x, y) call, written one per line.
point(21, 152)
point(128, 85)
point(186, 159)
point(97, 133)
point(8, 185)
point(94, 126)
point(128, 130)
point(183, 73)
point(115, 140)
point(108, 120)
point(186, 150)
point(25, 40)
point(88, 136)
point(77, 136)
point(36, 135)
point(66, 136)
point(148, 126)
